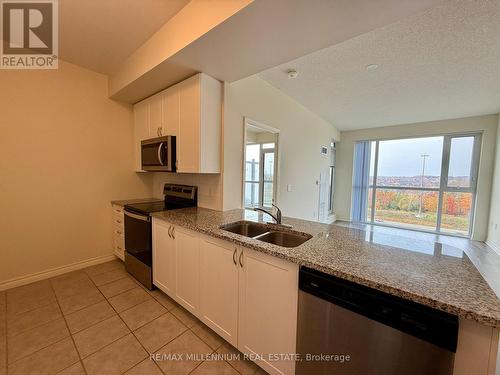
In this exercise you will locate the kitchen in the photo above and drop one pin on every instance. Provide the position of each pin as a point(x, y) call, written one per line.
point(146, 248)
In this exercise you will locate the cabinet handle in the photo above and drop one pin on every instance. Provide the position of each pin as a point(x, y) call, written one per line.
point(169, 229)
point(173, 233)
point(234, 256)
point(241, 259)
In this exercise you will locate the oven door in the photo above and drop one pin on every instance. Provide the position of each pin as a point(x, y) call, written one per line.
point(138, 241)
point(156, 154)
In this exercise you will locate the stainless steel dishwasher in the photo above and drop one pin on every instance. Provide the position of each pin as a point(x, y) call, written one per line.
point(346, 328)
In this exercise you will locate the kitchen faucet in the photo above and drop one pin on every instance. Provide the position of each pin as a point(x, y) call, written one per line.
point(277, 217)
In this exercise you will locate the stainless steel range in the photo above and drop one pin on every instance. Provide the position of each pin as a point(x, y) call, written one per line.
point(138, 241)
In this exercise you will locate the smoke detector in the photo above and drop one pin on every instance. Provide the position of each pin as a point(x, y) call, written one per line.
point(292, 74)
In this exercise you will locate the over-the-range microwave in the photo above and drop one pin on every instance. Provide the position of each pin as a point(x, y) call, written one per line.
point(158, 154)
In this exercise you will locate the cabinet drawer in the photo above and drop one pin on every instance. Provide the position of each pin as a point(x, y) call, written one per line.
point(120, 242)
point(118, 221)
point(119, 232)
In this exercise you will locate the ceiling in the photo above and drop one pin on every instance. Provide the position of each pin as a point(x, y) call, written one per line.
point(261, 35)
point(100, 34)
point(443, 63)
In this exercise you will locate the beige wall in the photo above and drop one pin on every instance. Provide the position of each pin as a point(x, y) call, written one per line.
point(486, 124)
point(493, 238)
point(302, 133)
point(65, 152)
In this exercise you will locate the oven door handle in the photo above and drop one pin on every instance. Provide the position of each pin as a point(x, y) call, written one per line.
point(159, 154)
point(138, 217)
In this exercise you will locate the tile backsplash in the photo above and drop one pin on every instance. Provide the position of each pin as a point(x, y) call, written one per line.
point(209, 187)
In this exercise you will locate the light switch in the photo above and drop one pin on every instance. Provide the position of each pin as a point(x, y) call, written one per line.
point(288, 187)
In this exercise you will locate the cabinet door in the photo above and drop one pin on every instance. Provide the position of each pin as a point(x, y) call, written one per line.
point(155, 115)
point(188, 142)
point(163, 257)
point(219, 287)
point(187, 262)
point(141, 130)
point(171, 116)
point(268, 294)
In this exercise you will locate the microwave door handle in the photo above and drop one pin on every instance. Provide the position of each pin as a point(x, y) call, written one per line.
point(159, 153)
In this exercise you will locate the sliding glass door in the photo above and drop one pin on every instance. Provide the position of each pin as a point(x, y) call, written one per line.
point(426, 183)
point(260, 171)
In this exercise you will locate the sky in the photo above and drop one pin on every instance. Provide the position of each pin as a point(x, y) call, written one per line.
point(402, 157)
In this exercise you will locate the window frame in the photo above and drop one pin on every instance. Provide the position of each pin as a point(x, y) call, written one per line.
point(443, 185)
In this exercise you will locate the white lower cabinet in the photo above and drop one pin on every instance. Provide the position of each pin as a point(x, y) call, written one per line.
point(164, 256)
point(267, 319)
point(219, 287)
point(118, 232)
point(187, 269)
point(247, 297)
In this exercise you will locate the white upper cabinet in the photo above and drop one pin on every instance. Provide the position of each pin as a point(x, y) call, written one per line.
point(198, 145)
point(156, 115)
point(171, 118)
point(191, 111)
point(141, 130)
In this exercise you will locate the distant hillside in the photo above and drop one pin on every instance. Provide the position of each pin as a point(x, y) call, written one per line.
point(415, 181)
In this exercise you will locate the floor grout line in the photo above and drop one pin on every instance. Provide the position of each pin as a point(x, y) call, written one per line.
point(44, 347)
point(130, 331)
point(63, 317)
point(69, 331)
point(36, 326)
point(27, 311)
point(150, 294)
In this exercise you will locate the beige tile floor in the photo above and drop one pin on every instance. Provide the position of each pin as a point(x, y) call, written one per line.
point(101, 321)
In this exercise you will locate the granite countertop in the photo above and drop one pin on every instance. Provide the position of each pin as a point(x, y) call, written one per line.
point(136, 200)
point(431, 273)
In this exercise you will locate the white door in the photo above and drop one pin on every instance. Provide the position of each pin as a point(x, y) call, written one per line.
point(188, 142)
point(268, 294)
point(171, 111)
point(219, 287)
point(155, 115)
point(187, 262)
point(163, 257)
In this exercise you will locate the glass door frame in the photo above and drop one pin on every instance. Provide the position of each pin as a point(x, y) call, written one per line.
point(443, 186)
point(247, 122)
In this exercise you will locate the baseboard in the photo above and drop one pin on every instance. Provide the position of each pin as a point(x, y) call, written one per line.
point(494, 246)
point(23, 280)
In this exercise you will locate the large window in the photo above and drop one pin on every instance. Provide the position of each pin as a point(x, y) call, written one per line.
point(426, 183)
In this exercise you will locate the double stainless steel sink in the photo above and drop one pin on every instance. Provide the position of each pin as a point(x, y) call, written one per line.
point(267, 233)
